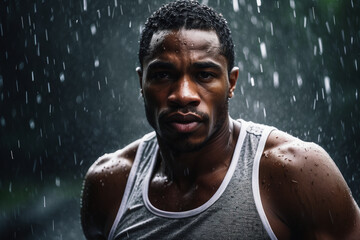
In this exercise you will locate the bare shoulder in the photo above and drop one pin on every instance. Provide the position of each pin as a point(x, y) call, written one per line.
point(103, 189)
point(302, 187)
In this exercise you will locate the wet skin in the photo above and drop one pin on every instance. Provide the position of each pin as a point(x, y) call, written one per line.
point(185, 85)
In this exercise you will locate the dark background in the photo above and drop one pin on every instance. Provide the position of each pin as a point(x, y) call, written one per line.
point(69, 92)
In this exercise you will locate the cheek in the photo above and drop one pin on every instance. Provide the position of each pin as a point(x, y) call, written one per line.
point(154, 98)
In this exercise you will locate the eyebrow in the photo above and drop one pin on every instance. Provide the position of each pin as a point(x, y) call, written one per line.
point(160, 64)
point(208, 64)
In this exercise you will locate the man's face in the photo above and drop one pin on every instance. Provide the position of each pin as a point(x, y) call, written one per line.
point(186, 86)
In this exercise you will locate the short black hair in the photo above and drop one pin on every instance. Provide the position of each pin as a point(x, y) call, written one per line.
point(187, 14)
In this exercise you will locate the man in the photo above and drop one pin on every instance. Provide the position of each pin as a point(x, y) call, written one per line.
point(202, 175)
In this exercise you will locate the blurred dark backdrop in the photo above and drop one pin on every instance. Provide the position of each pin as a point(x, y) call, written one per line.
point(69, 92)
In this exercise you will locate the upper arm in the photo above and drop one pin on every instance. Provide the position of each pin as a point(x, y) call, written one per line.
point(103, 189)
point(307, 191)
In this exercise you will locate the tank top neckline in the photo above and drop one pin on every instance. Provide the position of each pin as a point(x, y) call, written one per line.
point(212, 200)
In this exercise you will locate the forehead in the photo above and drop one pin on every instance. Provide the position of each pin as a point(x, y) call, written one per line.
point(184, 41)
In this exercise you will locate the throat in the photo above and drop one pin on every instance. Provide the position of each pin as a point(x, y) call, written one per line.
point(187, 182)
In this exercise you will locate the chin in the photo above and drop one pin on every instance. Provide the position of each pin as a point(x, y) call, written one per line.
point(185, 145)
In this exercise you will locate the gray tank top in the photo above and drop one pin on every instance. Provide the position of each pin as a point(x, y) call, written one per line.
point(233, 212)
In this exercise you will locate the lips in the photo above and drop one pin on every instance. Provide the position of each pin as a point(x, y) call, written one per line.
point(184, 122)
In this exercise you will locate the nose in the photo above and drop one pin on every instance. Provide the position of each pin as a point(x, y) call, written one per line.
point(184, 93)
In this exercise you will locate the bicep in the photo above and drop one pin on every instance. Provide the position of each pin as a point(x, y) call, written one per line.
point(336, 214)
point(309, 193)
point(91, 218)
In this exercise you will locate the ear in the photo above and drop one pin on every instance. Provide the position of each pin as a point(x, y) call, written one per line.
point(233, 77)
point(140, 73)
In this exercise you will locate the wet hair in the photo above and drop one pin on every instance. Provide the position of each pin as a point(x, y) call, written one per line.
point(187, 14)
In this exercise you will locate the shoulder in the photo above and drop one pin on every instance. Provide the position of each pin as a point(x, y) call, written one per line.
point(103, 189)
point(302, 186)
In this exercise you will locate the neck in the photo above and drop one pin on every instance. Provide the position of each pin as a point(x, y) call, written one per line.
point(186, 168)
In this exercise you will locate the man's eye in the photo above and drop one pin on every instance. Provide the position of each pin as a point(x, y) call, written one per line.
point(160, 75)
point(206, 75)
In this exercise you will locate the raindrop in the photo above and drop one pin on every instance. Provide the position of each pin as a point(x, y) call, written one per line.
point(32, 123)
point(320, 46)
point(96, 62)
point(313, 13)
point(32, 76)
point(21, 66)
point(85, 5)
point(22, 22)
point(252, 81)
point(314, 105)
point(299, 80)
point(276, 79)
point(44, 202)
point(327, 85)
point(38, 98)
point(78, 99)
point(246, 52)
point(292, 4)
point(2, 81)
point(46, 35)
point(327, 27)
point(130, 24)
point(253, 20)
point(62, 77)
point(57, 181)
point(236, 5)
point(75, 161)
point(93, 29)
point(263, 50)
point(2, 121)
point(305, 20)
point(355, 62)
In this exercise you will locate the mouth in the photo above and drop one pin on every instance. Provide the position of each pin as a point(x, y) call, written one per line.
point(184, 122)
